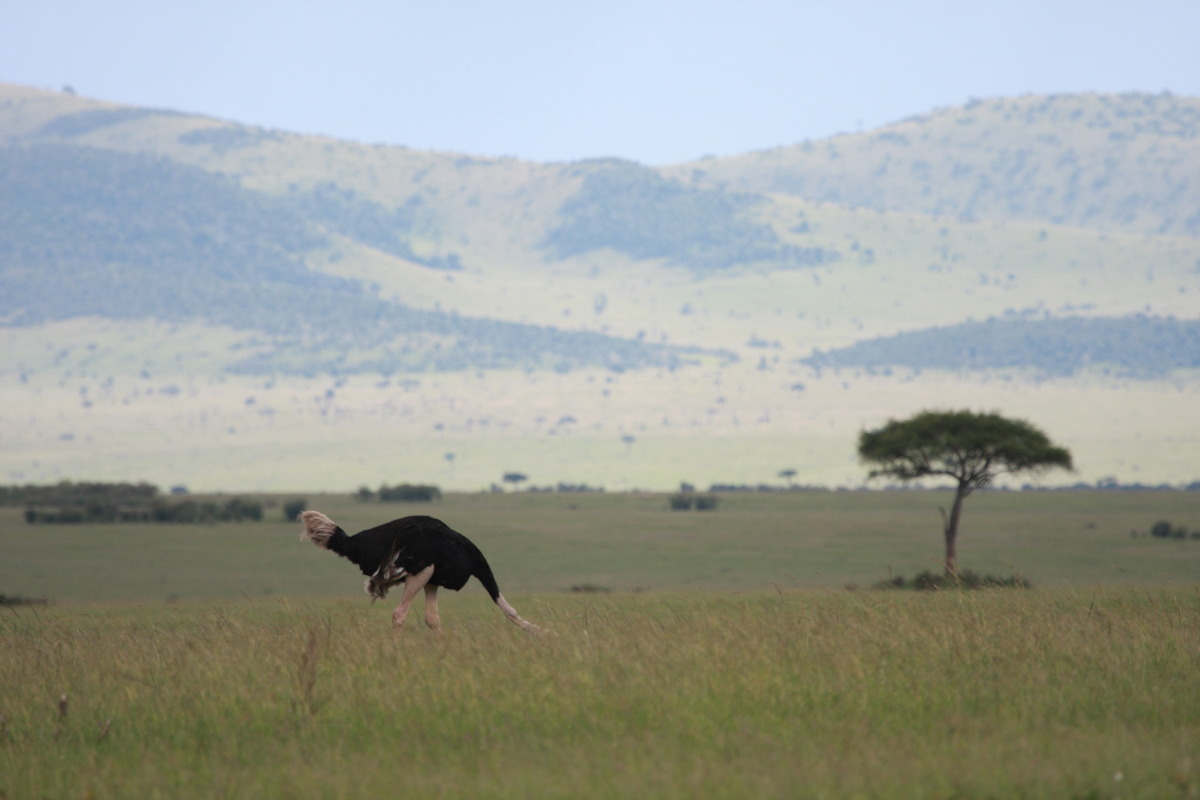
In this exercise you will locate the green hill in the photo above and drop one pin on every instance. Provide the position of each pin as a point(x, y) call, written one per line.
point(1127, 162)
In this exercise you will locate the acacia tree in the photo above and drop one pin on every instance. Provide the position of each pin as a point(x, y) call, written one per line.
point(973, 449)
point(515, 478)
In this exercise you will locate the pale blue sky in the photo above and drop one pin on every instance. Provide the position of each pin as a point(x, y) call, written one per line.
point(657, 82)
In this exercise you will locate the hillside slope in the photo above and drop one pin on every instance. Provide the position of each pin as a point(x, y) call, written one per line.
point(1126, 162)
point(130, 235)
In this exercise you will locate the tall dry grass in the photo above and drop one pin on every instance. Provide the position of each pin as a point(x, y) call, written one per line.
point(998, 693)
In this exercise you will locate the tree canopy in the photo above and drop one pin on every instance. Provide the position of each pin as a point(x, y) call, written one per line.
point(969, 447)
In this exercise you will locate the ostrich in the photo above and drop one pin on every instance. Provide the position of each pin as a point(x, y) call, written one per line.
point(420, 552)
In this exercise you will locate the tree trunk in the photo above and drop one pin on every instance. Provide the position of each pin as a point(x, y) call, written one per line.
point(950, 532)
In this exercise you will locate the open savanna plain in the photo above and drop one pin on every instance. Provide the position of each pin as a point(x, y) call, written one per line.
point(737, 653)
point(642, 429)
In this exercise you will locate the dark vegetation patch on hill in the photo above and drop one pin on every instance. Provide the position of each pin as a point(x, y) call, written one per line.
point(1136, 346)
point(85, 231)
point(636, 211)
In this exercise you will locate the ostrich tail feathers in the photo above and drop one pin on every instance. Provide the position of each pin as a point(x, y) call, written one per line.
point(317, 527)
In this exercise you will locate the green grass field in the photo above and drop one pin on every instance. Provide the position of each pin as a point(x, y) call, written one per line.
point(626, 542)
point(235, 661)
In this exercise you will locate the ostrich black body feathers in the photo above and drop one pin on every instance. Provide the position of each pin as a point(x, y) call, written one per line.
point(390, 552)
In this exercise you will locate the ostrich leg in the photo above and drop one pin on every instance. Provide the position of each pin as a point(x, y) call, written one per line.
point(431, 612)
point(412, 585)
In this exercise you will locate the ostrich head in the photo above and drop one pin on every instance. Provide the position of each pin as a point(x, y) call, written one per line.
point(317, 527)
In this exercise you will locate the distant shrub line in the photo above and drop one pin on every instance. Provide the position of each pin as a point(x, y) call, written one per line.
point(401, 493)
point(1102, 485)
point(236, 509)
point(1163, 529)
point(21, 600)
point(590, 588)
point(685, 501)
point(68, 493)
point(561, 487)
point(69, 503)
point(964, 579)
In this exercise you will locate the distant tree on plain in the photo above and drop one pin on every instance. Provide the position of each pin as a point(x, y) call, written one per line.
point(971, 448)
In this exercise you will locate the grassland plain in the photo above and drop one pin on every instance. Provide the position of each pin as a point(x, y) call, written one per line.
point(1034, 694)
point(728, 661)
point(637, 430)
point(540, 542)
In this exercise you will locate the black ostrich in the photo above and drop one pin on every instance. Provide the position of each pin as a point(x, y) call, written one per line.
point(420, 552)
